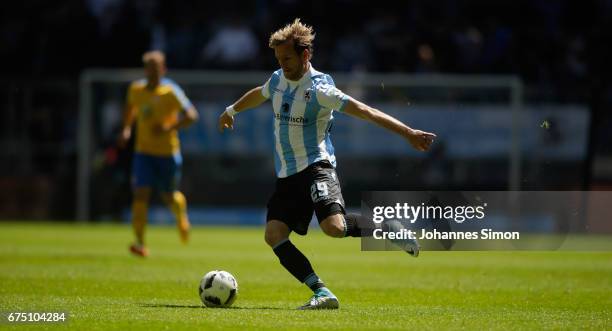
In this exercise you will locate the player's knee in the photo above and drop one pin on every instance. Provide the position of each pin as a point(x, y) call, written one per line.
point(333, 227)
point(273, 237)
point(179, 197)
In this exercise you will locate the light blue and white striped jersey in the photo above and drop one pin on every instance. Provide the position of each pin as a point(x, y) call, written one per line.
point(303, 116)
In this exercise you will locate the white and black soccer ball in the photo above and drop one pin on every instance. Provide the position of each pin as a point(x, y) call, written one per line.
point(218, 288)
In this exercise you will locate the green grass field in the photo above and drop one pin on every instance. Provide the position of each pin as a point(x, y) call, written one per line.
point(86, 270)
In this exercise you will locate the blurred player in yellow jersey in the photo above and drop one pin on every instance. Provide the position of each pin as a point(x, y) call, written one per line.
point(160, 108)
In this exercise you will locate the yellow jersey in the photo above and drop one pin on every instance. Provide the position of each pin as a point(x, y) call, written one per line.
point(161, 106)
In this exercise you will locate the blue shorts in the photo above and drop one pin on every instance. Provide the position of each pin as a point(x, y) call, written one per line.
point(157, 172)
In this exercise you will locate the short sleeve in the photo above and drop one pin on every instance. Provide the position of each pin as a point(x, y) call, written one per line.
point(265, 90)
point(181, 99)
point(331, 97)
point(270, 86)
point(131, 95)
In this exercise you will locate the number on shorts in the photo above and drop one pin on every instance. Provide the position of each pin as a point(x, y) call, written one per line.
point(318, 190)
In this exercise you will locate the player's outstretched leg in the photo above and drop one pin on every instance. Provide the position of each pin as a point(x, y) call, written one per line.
point(340, 226)
point(178, 205)
point(351, 225)
point(140, 205)
point(277, 236)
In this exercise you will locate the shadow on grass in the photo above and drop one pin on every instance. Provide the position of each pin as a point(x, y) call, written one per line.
point(161, 305)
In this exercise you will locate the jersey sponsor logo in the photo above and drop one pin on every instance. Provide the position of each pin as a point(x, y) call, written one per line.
point(291, 119)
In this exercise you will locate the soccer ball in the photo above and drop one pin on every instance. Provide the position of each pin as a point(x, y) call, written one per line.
point(218, 288)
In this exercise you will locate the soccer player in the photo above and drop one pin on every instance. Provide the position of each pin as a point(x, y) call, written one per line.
point(160, 108)
point(303, 100)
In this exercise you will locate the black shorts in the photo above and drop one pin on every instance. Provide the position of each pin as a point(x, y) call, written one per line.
point(315, 188)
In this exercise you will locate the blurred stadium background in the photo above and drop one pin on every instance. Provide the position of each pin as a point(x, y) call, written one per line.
point(519, 93)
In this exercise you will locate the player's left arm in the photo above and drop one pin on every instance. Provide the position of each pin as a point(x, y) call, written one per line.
point(188, 114)
point(420, 140)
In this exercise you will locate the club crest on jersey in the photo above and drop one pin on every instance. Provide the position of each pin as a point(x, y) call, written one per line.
point(285, 107)
point(307, 95)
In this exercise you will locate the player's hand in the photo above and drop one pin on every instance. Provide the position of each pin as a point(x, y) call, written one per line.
point(226, 122)
point(162, 128)
point(124, 137)
point(420, 140)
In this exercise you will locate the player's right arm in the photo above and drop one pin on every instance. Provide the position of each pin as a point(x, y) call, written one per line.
point(129, 116)
point(251, 99)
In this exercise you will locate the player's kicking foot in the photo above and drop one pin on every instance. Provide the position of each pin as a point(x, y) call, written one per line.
point(139, 250)
point(183, 227)
point(409, 245)
point(322, 299)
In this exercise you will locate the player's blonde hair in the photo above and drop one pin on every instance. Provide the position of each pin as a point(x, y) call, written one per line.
point(301, 34)
point(156, 56)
